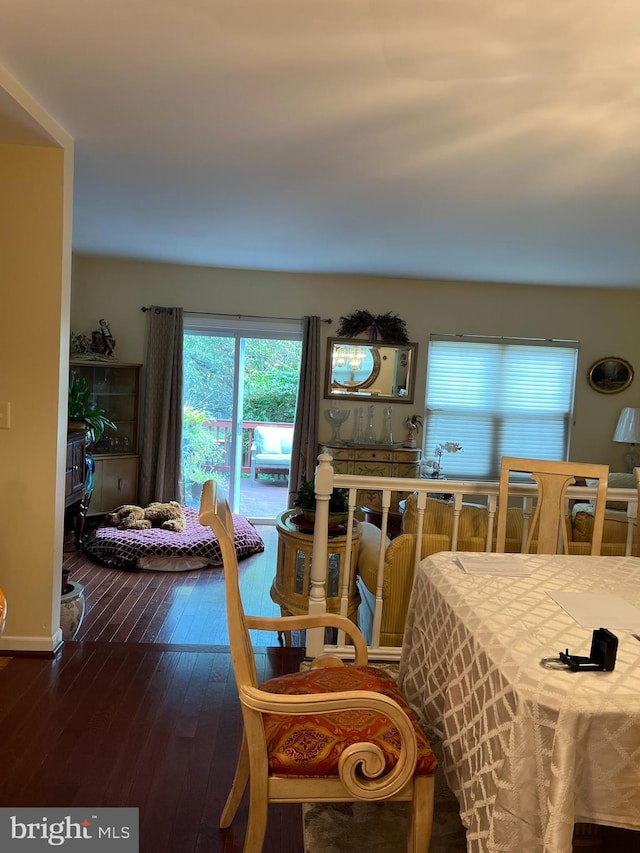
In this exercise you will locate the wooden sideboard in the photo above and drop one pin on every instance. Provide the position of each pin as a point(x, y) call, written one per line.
point(377, 461)
point(75, 467)
point(77, 489)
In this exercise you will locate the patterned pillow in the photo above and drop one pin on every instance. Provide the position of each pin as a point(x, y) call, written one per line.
point(124, 548)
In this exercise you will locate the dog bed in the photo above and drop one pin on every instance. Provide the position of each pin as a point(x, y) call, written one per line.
point(165, 551)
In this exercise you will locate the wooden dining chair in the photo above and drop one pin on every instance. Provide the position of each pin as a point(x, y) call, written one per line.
point(330, 734)
point(548, 528)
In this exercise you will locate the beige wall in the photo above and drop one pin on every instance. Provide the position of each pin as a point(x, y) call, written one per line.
point(35, 253)
point(603, 321)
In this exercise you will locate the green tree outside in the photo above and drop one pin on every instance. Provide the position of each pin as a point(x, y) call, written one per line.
point(272, 370)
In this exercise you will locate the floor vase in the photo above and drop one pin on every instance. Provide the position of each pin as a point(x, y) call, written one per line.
point(72, 606)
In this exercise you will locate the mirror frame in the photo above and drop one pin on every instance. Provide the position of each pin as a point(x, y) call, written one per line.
point(610, 375)
point(342, 392)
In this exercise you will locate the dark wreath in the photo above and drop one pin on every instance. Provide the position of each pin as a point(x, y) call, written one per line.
point(385, 327)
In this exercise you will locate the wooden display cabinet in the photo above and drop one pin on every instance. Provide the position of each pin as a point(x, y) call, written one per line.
point(115, 387)
point(116, 483)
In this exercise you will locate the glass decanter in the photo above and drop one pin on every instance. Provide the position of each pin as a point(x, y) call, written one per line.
point(387, 435)
point(358, 429)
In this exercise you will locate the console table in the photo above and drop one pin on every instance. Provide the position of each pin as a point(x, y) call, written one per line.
point(377, 461)
point(290, 588)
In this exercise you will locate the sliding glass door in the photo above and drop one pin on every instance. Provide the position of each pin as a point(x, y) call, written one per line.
point(240, 386)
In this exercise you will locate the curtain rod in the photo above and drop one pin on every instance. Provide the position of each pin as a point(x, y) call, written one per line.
point(327, 320)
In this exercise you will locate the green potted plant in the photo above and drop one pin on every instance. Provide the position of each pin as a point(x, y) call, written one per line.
point(83, 412)
point(305, 501)
point(201, 452)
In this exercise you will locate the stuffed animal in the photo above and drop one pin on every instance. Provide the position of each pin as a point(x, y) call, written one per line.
point(168, 516)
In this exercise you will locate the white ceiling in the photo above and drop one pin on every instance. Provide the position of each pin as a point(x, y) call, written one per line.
point(460, 139)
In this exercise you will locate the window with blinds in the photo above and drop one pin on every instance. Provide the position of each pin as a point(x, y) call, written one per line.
point(498, 397)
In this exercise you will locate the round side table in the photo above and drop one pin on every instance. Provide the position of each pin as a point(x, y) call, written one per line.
point(291, 585)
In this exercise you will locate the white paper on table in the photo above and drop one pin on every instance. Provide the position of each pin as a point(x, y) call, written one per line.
point(492, 564)
point(598, 610)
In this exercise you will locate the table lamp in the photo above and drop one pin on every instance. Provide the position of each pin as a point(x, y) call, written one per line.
point(628, 431)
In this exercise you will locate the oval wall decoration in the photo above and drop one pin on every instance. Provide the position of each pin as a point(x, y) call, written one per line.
point(610, 375)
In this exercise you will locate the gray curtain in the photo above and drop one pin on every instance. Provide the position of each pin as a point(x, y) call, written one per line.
point(304, 454)
point(162, 413)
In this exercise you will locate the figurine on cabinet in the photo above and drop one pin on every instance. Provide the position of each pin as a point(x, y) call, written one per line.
point(413, 422)
point(100, 344)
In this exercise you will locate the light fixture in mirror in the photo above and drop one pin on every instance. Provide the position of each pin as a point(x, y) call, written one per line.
point(356, 369)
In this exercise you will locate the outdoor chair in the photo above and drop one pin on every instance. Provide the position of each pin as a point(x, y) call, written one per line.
point(271, 451)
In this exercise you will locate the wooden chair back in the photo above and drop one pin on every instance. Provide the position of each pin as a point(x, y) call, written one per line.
point(321, 699)
point(548, 529)
point(216, 514)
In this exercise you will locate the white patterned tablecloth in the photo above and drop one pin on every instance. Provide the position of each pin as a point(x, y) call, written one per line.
point(528, 751)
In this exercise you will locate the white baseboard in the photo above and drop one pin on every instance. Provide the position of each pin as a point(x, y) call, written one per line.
point(31, 644)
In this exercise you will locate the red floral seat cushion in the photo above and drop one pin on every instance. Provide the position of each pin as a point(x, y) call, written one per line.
point(311, 745)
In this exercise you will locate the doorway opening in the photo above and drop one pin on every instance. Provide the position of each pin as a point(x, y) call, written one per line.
point(240, 388)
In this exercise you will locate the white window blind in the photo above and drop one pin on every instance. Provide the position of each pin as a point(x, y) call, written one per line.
point(498, 398)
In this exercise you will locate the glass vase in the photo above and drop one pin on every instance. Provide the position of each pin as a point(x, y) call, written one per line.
point(370, 431)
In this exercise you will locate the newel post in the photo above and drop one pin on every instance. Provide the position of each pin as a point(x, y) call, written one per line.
point(320, 557)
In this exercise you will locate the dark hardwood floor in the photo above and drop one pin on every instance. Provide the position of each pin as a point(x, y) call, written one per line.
point(151, 726)
point(141, 709)
point(172, 607)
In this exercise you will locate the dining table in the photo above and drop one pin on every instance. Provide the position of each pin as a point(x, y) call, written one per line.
point(530, 747)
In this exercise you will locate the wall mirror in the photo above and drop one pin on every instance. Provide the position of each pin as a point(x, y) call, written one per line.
point(357, 369)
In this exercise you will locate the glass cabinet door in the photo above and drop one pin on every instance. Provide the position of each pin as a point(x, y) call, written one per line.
point(114, 388)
